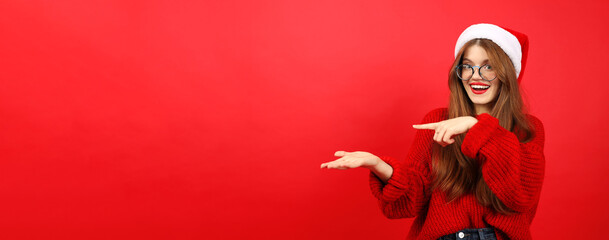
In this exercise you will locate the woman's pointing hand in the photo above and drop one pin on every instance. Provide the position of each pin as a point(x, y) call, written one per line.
point(445, 130)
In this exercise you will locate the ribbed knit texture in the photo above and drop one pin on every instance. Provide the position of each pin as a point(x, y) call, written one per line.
point(513, 171)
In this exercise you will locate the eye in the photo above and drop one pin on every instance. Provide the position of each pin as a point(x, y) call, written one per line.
point(466, 66)
point(487, 67)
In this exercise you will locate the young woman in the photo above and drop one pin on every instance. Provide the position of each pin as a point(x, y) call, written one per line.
point(475, 169)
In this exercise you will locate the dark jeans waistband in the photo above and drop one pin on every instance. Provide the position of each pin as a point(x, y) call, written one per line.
point(471, 234)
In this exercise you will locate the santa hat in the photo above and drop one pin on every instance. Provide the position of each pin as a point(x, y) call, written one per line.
point(514, 44)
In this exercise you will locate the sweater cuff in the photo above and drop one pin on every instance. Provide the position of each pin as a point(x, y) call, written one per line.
point(479, 135)
point(376, 184)
point(395, 186)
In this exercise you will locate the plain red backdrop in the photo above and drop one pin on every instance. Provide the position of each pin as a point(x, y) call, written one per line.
point(209, 119)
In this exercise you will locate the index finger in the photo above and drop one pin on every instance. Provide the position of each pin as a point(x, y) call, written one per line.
point(425, 126)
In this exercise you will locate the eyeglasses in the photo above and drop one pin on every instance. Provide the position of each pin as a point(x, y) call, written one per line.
point(466, 71)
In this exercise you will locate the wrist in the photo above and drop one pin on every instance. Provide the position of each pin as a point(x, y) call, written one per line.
point(382, 170)
point(374, 163)
point(474, 121)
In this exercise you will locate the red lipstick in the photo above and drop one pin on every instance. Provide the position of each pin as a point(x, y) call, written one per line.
point(479, 90)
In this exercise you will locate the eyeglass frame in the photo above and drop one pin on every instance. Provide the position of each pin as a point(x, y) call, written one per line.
point(473, 72)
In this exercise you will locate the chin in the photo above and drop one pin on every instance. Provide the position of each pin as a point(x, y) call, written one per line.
point(480, 100)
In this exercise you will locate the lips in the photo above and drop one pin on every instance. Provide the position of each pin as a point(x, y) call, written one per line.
point(479, 88)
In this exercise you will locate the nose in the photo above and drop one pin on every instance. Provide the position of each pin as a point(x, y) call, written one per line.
point(477, 70)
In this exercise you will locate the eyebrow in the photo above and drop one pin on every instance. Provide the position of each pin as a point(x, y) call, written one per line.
point(467, 59)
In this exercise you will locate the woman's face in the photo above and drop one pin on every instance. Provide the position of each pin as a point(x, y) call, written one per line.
point(483, 99)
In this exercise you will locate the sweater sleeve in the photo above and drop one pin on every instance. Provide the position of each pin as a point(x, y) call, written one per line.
point(408, 190)
point(513, 170)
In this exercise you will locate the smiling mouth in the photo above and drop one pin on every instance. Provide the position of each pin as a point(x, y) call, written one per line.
point(479, 89)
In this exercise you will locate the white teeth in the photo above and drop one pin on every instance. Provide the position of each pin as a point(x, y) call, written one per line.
point(480, 87)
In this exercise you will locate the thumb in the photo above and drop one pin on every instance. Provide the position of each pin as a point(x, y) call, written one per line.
point(340, 153)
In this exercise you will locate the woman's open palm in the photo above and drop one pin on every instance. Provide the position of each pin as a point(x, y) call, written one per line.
point(350, 160)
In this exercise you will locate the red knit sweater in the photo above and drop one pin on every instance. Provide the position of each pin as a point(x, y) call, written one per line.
point(513, 171)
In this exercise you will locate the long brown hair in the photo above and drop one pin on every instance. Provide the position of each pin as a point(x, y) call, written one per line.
point(455, 173)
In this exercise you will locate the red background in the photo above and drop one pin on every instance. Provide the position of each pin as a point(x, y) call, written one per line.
point(190, 120)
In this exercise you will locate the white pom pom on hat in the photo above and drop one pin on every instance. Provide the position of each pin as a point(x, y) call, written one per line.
point(513, 43)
